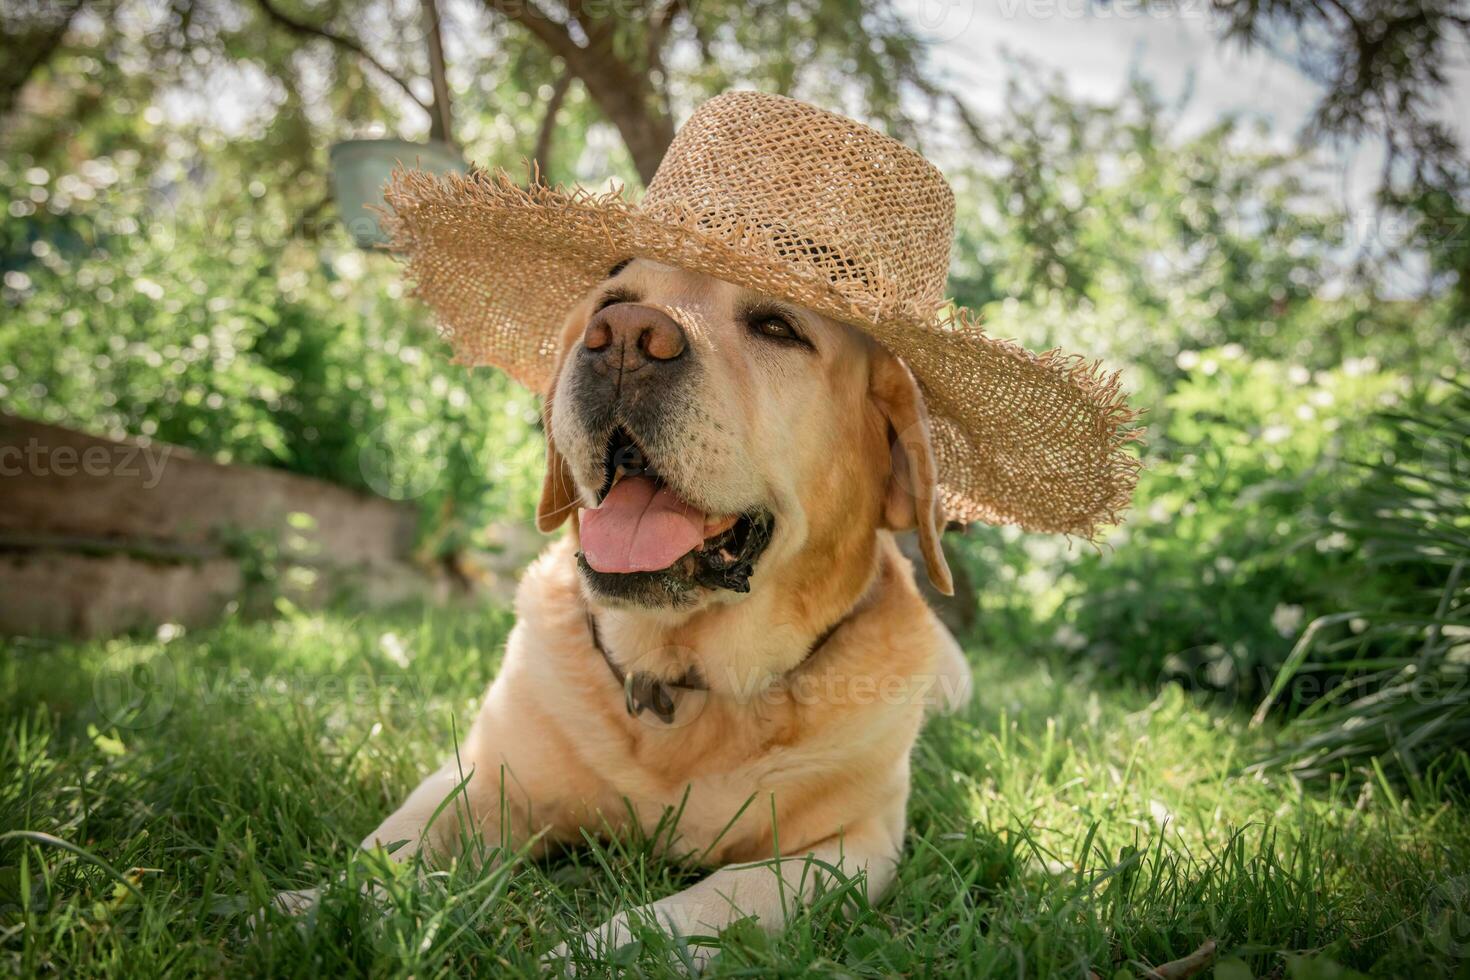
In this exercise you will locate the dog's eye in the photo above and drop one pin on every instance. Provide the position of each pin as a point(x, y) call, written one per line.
point(775, 326)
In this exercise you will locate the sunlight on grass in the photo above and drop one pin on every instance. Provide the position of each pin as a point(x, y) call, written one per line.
point(1059, 826)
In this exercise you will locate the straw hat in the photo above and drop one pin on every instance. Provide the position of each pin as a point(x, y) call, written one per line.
point(812, 208)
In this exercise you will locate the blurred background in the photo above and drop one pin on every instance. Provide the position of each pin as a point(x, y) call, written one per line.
point(1258, 211)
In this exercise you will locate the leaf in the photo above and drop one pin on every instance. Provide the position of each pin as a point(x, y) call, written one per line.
point(1233, 968)
point(1320, 968)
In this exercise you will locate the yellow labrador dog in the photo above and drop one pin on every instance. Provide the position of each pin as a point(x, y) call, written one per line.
point(728, 619)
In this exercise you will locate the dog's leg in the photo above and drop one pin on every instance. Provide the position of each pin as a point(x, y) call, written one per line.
point(430, 821)
point(770, 890)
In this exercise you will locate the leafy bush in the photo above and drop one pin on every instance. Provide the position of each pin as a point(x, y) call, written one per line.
point(1211, 269)
point(1209, 580)
point(1386, 677)
point(249, 340)
point(1230, 547)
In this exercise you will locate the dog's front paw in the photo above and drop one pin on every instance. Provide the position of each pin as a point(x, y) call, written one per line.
point(293, 903)
point(297, 902)
point(595, 944)
point(601, 943)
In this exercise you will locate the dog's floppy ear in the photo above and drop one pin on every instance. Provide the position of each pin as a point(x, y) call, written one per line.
point(558, 490)
point(911, 498)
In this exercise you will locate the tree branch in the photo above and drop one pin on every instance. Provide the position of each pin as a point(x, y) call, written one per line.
point(303, 29)
point(623, 94)
point(542, 154)
point(659, 24)
point(441, 123)
point(553, 34)
point(598, 29)
point(31, 50)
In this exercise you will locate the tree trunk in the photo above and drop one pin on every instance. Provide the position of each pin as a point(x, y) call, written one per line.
point(542, 155)
point(623, 93)
point(24, 52)
point(629, 102)
point(441, 125)
point(645, 129)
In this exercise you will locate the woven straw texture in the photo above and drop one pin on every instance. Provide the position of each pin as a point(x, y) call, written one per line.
point(801, 204)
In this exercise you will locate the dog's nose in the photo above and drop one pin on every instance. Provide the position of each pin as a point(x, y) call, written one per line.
point(630, 335)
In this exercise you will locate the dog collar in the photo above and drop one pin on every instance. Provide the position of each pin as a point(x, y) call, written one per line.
point(643, 690)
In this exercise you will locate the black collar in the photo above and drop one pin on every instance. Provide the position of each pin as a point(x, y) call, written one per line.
point(643, 690)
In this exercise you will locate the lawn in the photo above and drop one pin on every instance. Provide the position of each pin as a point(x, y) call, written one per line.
point(158, 791)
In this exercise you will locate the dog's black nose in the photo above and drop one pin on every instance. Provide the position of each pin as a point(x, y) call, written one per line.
point(627, 336)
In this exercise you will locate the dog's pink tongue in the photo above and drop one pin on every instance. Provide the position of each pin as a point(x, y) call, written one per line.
point(640, 527)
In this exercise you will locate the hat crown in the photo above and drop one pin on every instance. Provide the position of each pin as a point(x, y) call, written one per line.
point(837, 199)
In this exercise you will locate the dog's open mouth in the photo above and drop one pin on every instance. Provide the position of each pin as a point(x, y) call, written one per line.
point(641, 525)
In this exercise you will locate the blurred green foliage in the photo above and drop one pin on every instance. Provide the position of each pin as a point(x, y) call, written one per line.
point(1209, 578)
point(1224, 281)
point(1386, 680)
point(172, 262)
point(180, 316)
point(1095, 227)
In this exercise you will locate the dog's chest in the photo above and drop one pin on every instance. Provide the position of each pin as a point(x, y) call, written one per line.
point(726, 773)
point(732, 773)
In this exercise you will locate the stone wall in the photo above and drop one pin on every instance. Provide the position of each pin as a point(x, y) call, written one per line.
point(100, 535)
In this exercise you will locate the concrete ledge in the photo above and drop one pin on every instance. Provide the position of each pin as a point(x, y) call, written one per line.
point(99, 536)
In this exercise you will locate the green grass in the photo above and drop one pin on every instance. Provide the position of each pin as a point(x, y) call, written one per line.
point(1058, 827)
